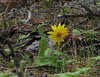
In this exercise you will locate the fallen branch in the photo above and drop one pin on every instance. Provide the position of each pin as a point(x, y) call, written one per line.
point(89, 13)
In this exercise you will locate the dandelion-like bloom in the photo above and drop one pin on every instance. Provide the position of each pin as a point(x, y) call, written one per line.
point(58, 33)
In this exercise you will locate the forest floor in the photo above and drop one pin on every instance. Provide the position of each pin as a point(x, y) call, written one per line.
point(20, 40)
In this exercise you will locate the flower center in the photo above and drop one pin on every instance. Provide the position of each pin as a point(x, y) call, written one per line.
point(58, 34)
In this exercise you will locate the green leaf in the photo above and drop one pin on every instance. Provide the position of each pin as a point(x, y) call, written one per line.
point(22, 37)
point(90, 34)
point(51, 60)
point(6, 49)
point(43, 43)
point(41, 33)
point(70, 61)
point(84, 69)
point(11, 64)
point(13, 76)
point(76, 31)
point(68, 74)
point(96, 58)
point(72, 74)
point(65, 9)
point(48, 1)
point(4, 75)
point(50, 51)
point(42, 47)
point(98, 2)
point(22, 20)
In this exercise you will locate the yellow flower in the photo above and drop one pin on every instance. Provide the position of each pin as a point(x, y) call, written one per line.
point(58, 33)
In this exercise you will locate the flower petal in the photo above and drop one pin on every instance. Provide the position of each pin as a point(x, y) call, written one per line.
point(59, 26)
point(54, 28)
point(50, 32)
